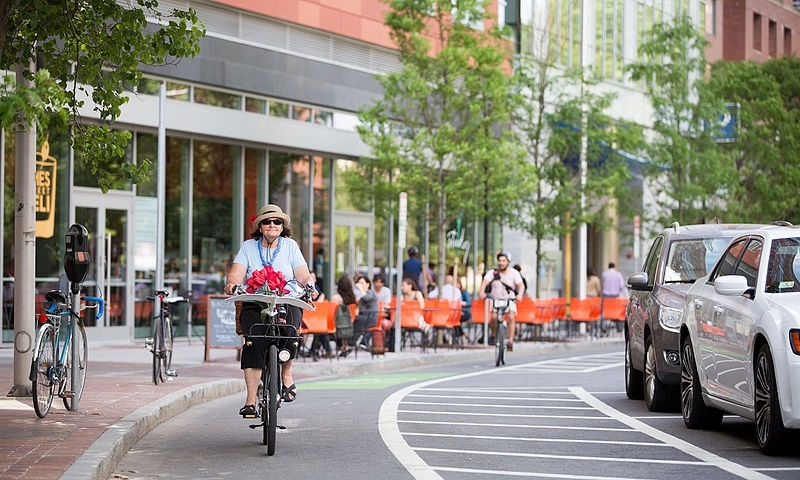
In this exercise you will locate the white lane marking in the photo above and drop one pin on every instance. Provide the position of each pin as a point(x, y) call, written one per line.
point(511, 425)
point(539, 439)
point(486, 405)
point(684, 446)
point(507, 473)
point(509, 415)
point(550, 456)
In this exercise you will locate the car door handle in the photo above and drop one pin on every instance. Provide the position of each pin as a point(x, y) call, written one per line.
point(698, 304)
point(718, 310)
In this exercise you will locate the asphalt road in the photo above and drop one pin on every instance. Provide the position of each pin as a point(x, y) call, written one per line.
point(564, 415)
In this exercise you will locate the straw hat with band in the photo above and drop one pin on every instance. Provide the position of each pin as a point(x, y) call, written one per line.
point(270, 211)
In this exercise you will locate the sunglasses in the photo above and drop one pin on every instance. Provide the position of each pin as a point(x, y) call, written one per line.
point(272, 221)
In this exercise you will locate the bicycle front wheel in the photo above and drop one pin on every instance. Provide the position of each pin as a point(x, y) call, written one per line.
point(500, 345)
point(166, 361)
point(274, 391)
point(81, 357)
point(44, 358)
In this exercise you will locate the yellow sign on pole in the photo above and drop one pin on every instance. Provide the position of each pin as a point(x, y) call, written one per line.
point(45, 192)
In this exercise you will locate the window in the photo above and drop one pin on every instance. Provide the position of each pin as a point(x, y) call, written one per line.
point(217, 98)
point(255, 105)
point(773, 38)
point(757, 31)
point(787, 42)
point(729, 259)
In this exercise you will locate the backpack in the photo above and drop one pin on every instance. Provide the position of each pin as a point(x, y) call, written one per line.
point(497, 279)
point(344, 322)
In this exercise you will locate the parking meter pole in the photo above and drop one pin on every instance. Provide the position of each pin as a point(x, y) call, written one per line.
point(76, 265)
point(75, 359)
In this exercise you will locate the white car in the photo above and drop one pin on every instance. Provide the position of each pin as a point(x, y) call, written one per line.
point(740, 337)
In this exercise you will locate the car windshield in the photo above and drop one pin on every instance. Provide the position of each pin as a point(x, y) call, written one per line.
point(784, 266)
point(688, 260)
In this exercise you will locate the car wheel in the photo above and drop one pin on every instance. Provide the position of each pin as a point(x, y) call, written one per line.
point(633, 377)
point(656, 394)
point(696, 414)
point(770, 431)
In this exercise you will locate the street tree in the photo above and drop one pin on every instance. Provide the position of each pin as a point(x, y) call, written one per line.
point(440, 132)
point(763, 97)
point(686, 166)
point(87, 51)
point(68, 56)
point(560, 108)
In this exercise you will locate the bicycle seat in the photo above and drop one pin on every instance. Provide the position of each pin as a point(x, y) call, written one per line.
point(55, 300)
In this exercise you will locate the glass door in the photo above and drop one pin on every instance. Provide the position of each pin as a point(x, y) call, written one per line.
point(107, 217)
point(354, 243)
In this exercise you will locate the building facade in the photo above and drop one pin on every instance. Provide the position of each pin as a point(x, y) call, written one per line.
point(266, 113)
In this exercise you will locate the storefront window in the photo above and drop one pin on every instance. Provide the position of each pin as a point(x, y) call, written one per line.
point(288, 188)
point(212, 218)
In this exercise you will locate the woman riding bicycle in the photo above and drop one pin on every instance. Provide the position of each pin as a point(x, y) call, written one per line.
point(503, 283)
point(271, 249)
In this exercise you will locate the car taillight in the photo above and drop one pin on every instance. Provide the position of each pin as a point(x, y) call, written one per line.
point(794, 340)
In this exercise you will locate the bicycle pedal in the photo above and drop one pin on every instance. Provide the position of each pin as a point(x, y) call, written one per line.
point(67, 394)
point(172, 373)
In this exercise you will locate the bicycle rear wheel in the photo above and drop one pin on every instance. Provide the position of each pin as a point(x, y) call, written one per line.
point(43, 362)
point(166, 362)
point(274, 392)
point(81, 356)
point(500, 345)
point(160, 349)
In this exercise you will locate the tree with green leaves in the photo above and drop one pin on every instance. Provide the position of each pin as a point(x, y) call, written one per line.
point(440, 132)
point(686, 166)
point(763, 185)
point(87, 52)
point(560, 106)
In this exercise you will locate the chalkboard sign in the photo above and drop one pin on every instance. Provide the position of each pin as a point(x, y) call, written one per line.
point(221, 324)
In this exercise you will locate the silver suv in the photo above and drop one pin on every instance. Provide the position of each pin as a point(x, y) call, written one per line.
point(678, 256)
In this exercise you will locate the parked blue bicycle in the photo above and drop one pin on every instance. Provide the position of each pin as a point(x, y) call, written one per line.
point(57, 368)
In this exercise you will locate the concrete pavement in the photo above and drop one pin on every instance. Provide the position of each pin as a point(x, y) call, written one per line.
point(120, 403)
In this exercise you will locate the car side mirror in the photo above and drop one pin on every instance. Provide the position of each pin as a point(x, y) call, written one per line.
point(731, 285)
point(638, 282)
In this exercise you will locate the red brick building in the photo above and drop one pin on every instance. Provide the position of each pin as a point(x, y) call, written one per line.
point(754, 30)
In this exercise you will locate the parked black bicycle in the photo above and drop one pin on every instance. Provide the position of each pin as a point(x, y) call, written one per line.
point(281, 340)
point(160, 344)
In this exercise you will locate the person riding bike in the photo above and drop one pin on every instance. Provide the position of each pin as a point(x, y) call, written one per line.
point(503, 283)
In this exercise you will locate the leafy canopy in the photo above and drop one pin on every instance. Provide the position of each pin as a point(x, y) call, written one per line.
point(87, 54)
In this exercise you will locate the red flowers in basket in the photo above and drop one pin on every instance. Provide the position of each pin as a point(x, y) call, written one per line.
point(267, 280)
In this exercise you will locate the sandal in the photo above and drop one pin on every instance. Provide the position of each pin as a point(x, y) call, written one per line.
point(248, 411)
point(289, 393)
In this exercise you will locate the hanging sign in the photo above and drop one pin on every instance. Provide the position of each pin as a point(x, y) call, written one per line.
point(45, 192)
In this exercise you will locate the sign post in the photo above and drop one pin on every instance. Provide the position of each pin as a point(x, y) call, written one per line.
point(401, 245)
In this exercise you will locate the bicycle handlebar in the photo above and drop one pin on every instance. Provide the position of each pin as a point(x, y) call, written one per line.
point(99, 301)
point(271, 300)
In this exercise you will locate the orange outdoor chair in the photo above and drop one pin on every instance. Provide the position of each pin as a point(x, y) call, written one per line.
point(585, 311)
point(437, 314)
point(319, 321)
point(410, 313)
point(526, 318)
point(613, 311)
point(480, 316)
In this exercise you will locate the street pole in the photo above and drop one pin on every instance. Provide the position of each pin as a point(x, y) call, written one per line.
point(24, 247)
point(401, 245)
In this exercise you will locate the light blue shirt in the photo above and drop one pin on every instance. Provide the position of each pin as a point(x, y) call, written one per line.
point(285, 257)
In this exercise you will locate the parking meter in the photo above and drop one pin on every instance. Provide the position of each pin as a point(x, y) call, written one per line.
point(76, 255)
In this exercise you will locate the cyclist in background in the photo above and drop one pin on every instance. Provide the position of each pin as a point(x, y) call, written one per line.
point(503, 283)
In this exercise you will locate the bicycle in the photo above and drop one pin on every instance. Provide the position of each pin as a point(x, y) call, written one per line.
point(55, 364)
point(281, 340)
point(160, 344)
point(501, 337)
